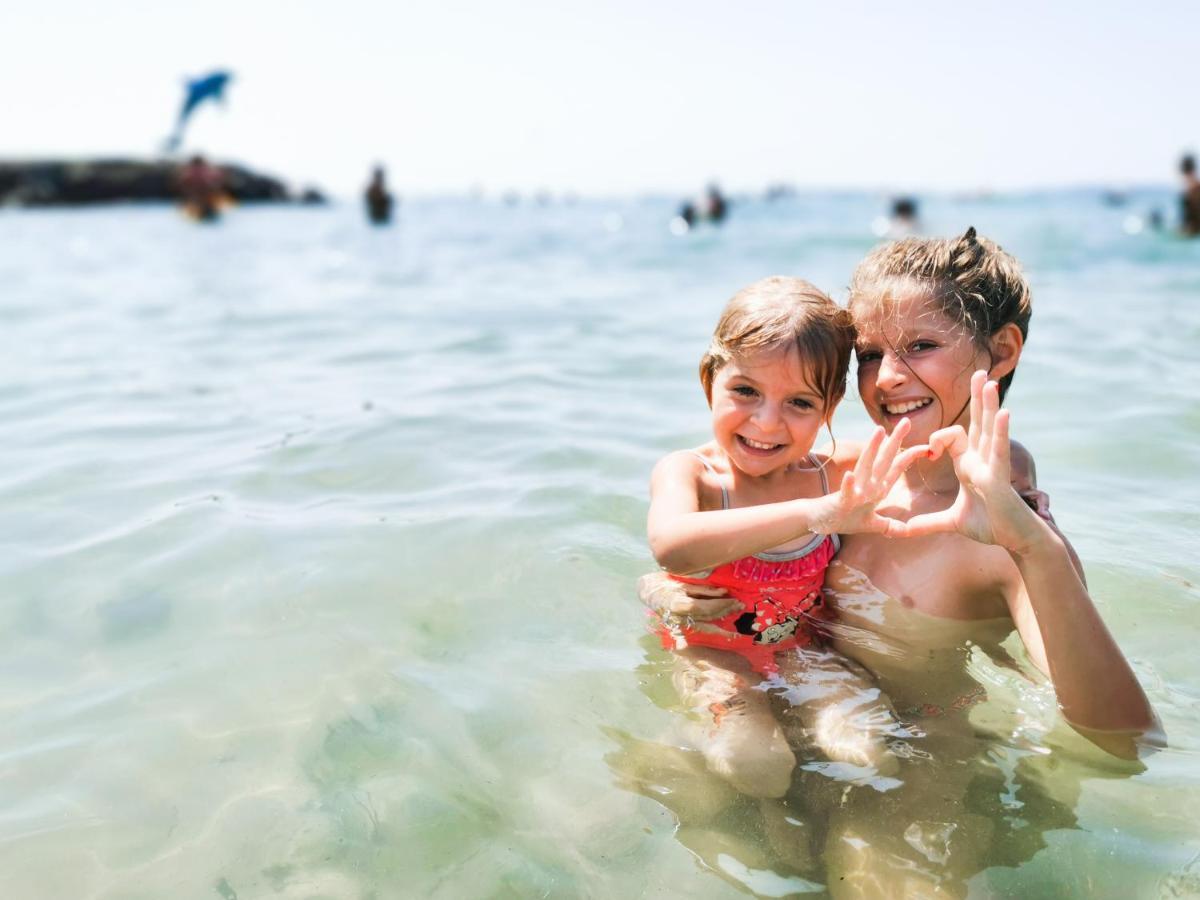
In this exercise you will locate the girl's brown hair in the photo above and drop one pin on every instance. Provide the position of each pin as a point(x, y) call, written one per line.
point(779, 312)
point(971, 279)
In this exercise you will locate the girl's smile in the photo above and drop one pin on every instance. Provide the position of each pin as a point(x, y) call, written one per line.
point(756, 448)
point(766, 414)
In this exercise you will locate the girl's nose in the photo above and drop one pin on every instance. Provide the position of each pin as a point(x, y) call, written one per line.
point(891, 371)
point(767, 417)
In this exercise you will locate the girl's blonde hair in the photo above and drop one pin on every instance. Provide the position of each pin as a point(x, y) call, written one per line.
point(971, 279)
point(780, 312)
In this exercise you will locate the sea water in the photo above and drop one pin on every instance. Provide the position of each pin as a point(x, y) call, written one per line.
point(319, 543)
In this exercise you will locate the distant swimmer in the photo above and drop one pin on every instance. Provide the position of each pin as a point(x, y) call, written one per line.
point(198, 90)
point(202, 190)
point(712, 207)
point(378, 198)
point(903, 221)
point(904, 217)
point(715, 204)
point(1189, 200)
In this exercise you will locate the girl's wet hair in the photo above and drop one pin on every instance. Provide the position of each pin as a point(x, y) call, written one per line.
point(971, 279)
point(780, 312)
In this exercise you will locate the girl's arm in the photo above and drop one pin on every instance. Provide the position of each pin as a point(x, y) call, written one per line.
point(1098, 693)
point(684, 539)
point(1066, 637)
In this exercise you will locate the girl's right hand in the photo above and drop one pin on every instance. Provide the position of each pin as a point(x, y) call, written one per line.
point(851, 508)
point(987, 508)
point(673, 599)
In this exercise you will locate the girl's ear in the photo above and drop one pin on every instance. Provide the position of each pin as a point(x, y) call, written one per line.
point(1005, 346)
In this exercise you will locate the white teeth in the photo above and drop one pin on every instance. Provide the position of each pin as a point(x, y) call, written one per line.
point(758, 446)
point(899, 409)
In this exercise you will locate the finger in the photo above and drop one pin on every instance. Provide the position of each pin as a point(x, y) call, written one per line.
point(1000, 445)
point(650, 581)
point(890, 528)
point(987, 422)
point(847, 488)
point(704, 591)
point(903, 460)
point(862, 471)
point(891, 447)
point(708, 629)
point(918, 526)
point(952, 439)
point(977, 381)
point(707, 608)
point(650, 587)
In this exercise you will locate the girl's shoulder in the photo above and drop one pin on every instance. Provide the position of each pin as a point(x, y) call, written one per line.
point(701, 463)
point(700, 470)
point(705, 458)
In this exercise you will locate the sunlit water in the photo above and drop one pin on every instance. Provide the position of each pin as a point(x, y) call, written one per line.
point(319, 545)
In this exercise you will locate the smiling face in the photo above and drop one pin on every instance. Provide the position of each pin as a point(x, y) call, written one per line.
point(915, 362)
point(766, 412)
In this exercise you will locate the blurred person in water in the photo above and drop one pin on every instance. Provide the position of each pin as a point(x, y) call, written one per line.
point(202, 189)
point(1189, 200)
point(711, 207)
point(975, 555)
point(904, 222)
point(378, 199)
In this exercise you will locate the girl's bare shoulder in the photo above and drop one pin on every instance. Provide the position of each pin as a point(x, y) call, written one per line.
point(699, 468)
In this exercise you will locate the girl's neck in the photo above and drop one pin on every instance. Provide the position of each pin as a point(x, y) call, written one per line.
point(932, 476)
point(775, 480)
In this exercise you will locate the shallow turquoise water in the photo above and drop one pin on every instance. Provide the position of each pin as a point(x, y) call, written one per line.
point(318, 542)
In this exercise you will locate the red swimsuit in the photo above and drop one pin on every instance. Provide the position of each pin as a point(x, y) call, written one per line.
point(777, 589)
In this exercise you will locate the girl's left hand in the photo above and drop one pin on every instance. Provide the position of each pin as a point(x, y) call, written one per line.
point(987, 508)
point(697, 602)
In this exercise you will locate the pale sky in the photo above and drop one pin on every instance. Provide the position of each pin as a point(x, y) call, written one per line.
point(617, 96)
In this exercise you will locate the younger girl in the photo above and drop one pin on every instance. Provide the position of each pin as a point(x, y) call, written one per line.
point(751, 512)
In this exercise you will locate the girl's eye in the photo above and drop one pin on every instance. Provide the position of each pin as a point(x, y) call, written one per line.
point(918, 346)
point(744, 391)
point(801, 403)
point(868, 356)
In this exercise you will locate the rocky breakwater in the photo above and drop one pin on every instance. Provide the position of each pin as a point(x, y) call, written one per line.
point(79, 182)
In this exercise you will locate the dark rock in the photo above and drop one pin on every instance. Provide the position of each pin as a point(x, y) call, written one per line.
point(77, 182)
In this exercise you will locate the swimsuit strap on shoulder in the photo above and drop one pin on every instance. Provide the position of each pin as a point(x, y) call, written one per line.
point(834, 538)
point(820, 471)
point(724, 490)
